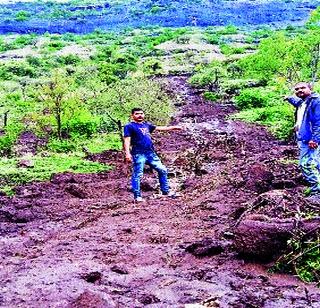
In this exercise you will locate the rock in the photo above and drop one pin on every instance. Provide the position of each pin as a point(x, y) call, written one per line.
point(93, 277)
point(61, 178)
point(77, 191)
point(205, 248)
point(25, 163)
point(147, 185)
point(119, 270)
point(259, 179)
point(148, 299)
point(92, 300)
point(261, 238)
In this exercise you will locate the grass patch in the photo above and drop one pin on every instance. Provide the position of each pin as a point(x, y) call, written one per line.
point(11, 175)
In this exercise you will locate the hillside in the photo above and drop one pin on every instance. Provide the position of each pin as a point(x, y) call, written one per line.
point(86, 16)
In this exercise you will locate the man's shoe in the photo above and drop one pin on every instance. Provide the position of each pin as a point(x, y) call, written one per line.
point(138, 199)
point(314, 199)
point(171, 194)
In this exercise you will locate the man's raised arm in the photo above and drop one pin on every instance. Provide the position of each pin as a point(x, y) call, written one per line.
point(168, 128)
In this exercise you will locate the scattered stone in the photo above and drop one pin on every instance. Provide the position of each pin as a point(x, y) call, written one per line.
point(119, 270)
point(205, 248)
point(25, 163)
point(63, 178)
point(93, 277)
point(77, 191)
point(148, 299)
point(259, 179)
point(92, 300)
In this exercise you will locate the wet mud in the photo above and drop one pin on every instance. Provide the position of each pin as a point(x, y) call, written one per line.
point(80, 241)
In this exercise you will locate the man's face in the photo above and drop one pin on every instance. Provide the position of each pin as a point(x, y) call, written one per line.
point(302, 90)
point(138, 116)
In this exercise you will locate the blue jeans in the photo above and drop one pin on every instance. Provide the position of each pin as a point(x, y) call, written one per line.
point(309, 163)
point(139, 160)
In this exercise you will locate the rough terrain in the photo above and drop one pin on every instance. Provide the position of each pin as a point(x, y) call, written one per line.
point(80, 241)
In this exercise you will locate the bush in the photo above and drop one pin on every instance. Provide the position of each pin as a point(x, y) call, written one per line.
point(152, 67)
point(279, 119)
point(22, 16)
point(61, 146)
point(9, 137)
point(20, 69)
point(231, 50)
point(83, 125)
point(6, 143)
point(205, 76)
point(213, 39)
point(211, 96)
point(254, 98)
point(230, 29)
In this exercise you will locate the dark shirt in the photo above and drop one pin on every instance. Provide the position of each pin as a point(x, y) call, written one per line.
point(140, 137)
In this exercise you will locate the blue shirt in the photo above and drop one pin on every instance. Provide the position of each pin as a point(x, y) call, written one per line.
point(310, 126)
point(140, 134)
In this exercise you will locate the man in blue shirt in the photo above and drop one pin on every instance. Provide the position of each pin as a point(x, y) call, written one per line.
point(139, 150)
point(307, 128)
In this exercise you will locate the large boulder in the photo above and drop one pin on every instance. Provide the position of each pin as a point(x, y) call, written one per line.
point(262, 238)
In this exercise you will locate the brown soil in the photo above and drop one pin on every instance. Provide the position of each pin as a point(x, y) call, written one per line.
point(80, 241)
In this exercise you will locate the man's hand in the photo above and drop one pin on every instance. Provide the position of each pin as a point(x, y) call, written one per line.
point(312, 144)
point(176, 127)
point(129, 158)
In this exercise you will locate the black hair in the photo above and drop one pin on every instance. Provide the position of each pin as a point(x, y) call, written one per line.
point(135, 109)
point(308, 84)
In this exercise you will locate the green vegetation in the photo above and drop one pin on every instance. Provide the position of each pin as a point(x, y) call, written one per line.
point(75, 100)
point(44, 167)
point(302, 259)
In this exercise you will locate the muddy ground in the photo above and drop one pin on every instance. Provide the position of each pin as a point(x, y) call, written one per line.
point(80, 241)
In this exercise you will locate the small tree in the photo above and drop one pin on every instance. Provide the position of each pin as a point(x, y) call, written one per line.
point(116, 101)
point(56, 94)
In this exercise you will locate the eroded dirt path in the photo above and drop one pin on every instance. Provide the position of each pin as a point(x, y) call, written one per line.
point(79, 241)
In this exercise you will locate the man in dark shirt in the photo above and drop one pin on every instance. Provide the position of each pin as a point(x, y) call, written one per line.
point(139, 150)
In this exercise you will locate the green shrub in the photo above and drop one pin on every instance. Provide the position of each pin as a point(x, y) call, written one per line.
point(230, 29)
point(9, 137)
point(213, 38)
point(302, 259)
point(69, 59)
point(20, 69)
point(279, 119)
point(84, 125)
point(156, 9)
point(231, 50)
point(55, 45)
point(61, 146)
point(152, 67)
point(205, 76)
point(22, 16)
point(6, 143)
point(211, 96)
point(254, 98)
